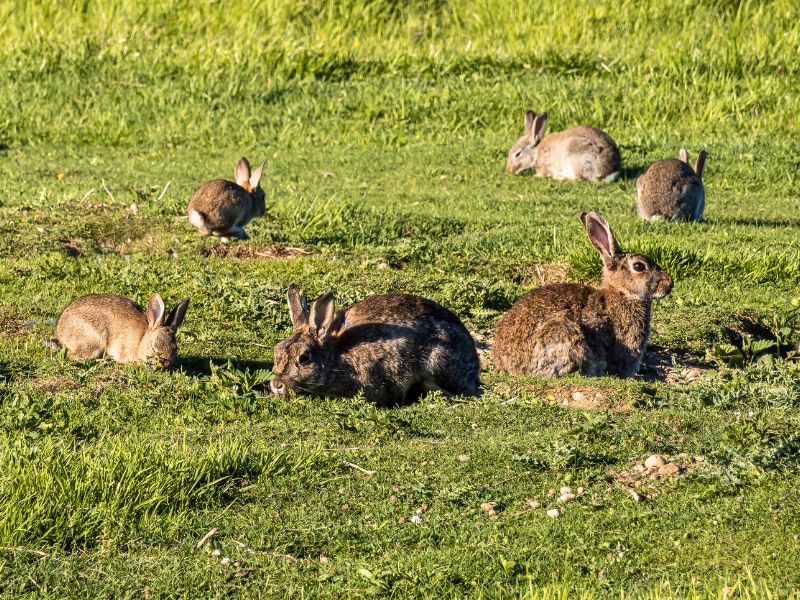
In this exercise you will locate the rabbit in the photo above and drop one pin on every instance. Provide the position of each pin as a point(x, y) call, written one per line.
point(670, 189)
point(222, 208)
point(567, 327)
point(100, 325)
point(577, 153)
point(393, 347)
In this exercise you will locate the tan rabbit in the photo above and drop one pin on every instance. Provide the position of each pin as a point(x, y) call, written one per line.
point(577, 153)
point(393, 347)
point(671, 189)
point(109, 325)
point(567, 327)
point(222, 208)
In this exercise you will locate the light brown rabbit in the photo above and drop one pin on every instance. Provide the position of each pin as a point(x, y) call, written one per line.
point(222, 208)
point(567, 327)
point(671, 189)
point(393, 347)
point(109, 325)
point(577, 153)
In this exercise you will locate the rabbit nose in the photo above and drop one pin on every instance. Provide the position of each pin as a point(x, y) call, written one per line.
point(277, 387)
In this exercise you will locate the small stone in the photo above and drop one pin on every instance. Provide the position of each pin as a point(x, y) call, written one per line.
point(345, 506)
point(463, 457)
point(566, 497)
point(225, 561)
point(40, 229)
point(415, 519)
point(215, 553)
point(578, 396)
point(638, 468)
point(134, 208)
point(668, 469)
point(324, 559)
point(553, 513)
point(327, 174)
point(566, 490)
point(580, 491)
point(392, 498)
point(533, 503)
point(490, 507)
point(655, 461)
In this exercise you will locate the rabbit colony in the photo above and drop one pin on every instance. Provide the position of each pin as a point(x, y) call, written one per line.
point(394, 348)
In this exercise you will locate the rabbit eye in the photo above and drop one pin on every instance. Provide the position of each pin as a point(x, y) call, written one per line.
point(639, 266)
point(305, 358)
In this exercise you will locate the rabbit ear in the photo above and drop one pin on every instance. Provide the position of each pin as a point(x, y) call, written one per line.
point(155, 312)
point(682, 156)
point(177, 315)
point(255, 178)
point(241, 174)
point(701, 162)
point(321, 316)
point(529, 117)
point(298, 307)
point(539, 127)
point(601, 237)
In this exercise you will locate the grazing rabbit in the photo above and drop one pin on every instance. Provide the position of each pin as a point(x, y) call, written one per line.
point(670, 189)
point(393, 347)
point(222, 208)
point(568, 327)
point(577, 153)
point(109, 325)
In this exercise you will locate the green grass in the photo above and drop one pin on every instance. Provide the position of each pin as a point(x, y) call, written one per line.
point(385, 125)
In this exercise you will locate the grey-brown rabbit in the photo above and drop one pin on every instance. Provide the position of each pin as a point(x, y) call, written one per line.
point(577, 153)
point(393, 347)
point(564, 328)
point(222, 208)
point(671, 189)
point(100, 325)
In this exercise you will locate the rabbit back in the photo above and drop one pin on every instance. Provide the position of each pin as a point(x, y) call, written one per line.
point(218, 206)
point(670, 189)
point(102, 324)
point(400, 346)
point(579, 153)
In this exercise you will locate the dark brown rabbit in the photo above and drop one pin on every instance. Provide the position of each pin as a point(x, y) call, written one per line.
point(568, 327)
point(670, 189)
point(222, 208)
point(394, 348)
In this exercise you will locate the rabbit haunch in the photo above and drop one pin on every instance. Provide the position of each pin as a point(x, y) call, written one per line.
point(580, 152)
point(222, 208)
point(393, 347)
point(565, 328)
point(108, 325)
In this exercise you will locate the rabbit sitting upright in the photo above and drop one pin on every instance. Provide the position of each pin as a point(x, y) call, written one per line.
point(577, 153)
point(567, 327)
point(222, 208)
point(100, 325)
point(393, 347)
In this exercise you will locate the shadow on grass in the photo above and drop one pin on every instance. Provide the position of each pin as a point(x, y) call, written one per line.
point(632, 172)
point(754, 222)
point(200, 366)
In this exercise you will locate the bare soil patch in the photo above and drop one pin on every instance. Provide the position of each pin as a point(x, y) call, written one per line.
point(249, 252)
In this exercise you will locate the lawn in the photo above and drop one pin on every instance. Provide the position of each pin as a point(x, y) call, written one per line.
point(385, 126)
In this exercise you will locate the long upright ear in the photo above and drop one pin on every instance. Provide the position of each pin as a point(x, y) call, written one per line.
point(700, 164)
point(155, 312)
point(177, 315)
point(682, 156)
point(255, 177)
point(529, 117)
point(298, 308)
point(601, 236)
point(321, 316)
point(539, 127)
point(241, 174)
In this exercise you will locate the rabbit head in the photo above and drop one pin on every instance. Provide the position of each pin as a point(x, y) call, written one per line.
point(251, 181)
point(304, 360)
point(522, 156)
point(633, 274)
point(158, 344)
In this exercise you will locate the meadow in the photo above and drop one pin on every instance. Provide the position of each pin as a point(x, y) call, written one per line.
point(385, 126)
